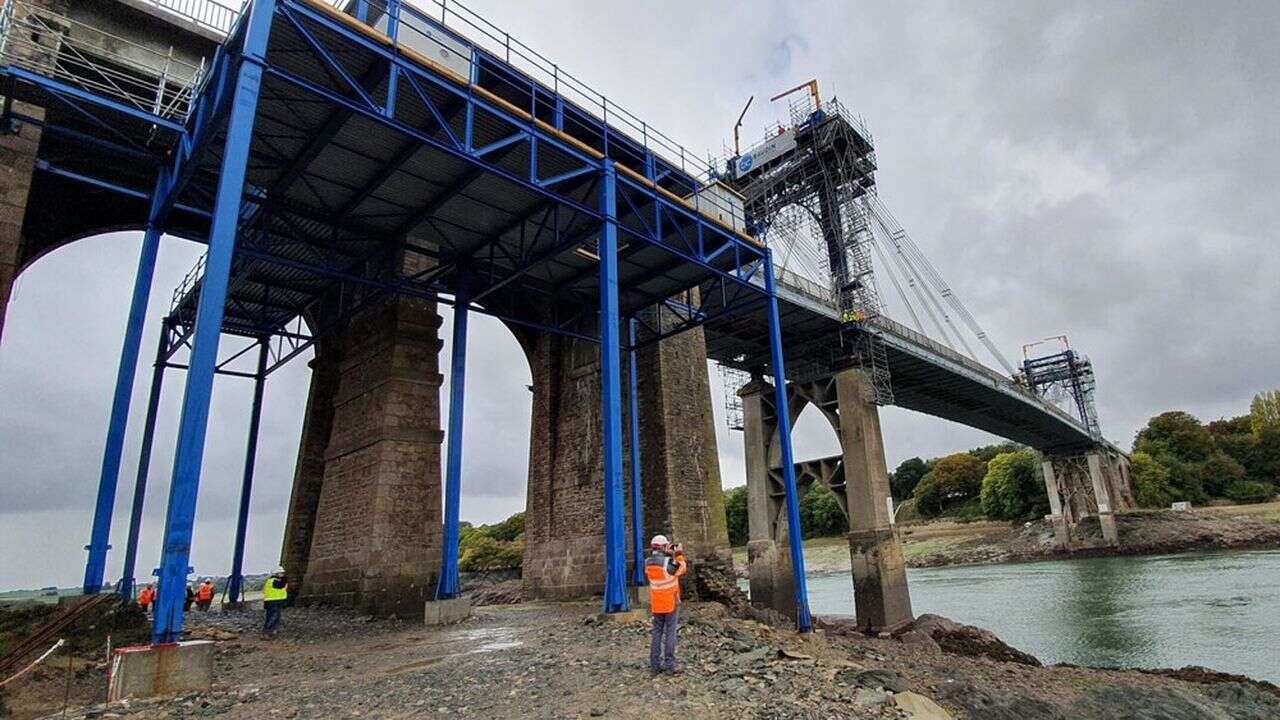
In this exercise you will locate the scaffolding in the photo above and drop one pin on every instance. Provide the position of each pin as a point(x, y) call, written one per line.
point(1063, 377)
point(805, 188)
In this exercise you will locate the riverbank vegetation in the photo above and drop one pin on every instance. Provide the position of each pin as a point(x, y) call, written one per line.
point(1175, 457)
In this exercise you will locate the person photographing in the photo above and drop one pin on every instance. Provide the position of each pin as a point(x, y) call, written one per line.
point(663, 568)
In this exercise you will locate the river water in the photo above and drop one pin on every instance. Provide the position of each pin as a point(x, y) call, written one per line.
point(1219, 610)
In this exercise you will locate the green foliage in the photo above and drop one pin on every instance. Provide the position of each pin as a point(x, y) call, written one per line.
point(1151, 486)
point(1264, 411)
point(1249, 491)
point(985, 453)
point(1219, 471)
point(507, 530)
point(478, 551)
point(1012, 489)
point(904, 480)
point(1176, 434)
point(820, 514)
point(735, 515)
point(491, 547)
point(953, 480)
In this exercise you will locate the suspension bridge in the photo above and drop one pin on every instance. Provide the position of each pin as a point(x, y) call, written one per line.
point(353, 164)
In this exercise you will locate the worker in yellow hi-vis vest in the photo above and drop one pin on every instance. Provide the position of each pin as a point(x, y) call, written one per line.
point(275, 591)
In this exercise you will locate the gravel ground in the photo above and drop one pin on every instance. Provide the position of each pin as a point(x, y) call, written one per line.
point(534, 660)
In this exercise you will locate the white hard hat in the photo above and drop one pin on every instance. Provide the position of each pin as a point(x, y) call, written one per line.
point(279, 569)
point(659, 540)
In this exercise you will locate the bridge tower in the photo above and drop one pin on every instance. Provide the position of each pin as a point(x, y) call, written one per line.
point(1080, 481)
point(809, 182)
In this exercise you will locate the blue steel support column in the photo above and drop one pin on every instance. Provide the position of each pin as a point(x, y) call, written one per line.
point(615, 596)
point(448, 585)
point(109, 479)
point(127, 579)
point(788, 460)
point(236, 580)
point(637, 508)
point(176, 552)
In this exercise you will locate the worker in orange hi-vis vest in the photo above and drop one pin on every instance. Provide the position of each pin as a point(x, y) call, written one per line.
point(204, 595)
point(663, 569)
point(146, 598)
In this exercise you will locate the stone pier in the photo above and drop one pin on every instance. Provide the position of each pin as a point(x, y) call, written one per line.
point(1083, 482)
point(880, 592)
point(881, 597)
point(680, 472)
point(375, 542)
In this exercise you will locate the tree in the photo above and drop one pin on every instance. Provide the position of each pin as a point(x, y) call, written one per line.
point(820, 513)
point(986, 452)
point(906, 477)
point(1151, 486)
point(1012, 489)
point(735, 515)
point(953, 480)
point(1264, 411)
point(507, 530)
point(1175, 433)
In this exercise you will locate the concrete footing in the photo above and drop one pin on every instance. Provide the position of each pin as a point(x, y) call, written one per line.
point(160, 670)
point(448, 612)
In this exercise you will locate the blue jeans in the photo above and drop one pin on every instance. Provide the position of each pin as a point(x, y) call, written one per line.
point(662, 646)
point(271, 619)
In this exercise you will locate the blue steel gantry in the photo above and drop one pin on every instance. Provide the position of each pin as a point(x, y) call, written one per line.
point(342, 157)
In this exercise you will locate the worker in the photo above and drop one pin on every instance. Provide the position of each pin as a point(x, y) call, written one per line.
point(146, 598)
point(663, 569)
point(204, 595)
point(190, 598)
point(275, 591)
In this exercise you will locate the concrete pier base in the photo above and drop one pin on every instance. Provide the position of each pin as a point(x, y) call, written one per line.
point(771, 581)
point(160, 670)
point(447, 612)
point(879, 581)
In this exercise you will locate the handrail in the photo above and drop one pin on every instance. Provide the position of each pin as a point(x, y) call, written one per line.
point(39, 40)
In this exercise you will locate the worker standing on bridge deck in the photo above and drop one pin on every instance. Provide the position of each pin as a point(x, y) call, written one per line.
point(663, 569)
point(204, 595)
point(275, 591)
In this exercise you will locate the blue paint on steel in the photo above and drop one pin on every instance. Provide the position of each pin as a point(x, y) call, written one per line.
point(72, 96)
point(127, 579)
point(633, 418)
point(195, 403)
point(236, 580)
point(615, 596)
point(448, 585)
point(782, 413)
point(109, 478)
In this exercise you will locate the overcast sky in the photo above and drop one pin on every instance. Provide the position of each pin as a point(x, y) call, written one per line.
point(1104, 170)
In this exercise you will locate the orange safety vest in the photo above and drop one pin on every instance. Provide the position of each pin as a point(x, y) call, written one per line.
point(205, 592)
point(664, 586)
point(146, 596)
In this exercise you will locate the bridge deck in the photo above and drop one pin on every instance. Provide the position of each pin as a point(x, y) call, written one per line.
point(337, 180)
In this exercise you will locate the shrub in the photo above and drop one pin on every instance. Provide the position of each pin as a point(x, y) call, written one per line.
point(1250, 491)
point(478, 552)
point(507, 530)
point(1150, 478)
point(1012, 488)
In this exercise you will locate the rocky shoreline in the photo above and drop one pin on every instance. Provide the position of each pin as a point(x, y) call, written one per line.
point(561, 660)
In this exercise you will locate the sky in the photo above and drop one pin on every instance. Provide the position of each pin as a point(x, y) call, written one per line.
point(1103, 170)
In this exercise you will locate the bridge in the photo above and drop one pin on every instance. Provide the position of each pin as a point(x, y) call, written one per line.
point(353, 165)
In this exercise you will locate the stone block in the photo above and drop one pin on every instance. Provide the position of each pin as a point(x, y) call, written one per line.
point(447, 612)
point(160, 670)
